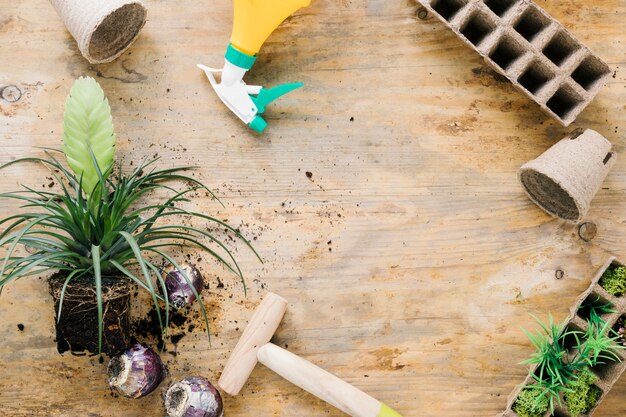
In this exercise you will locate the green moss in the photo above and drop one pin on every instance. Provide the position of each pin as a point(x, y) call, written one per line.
point(531, 403)
point(614, 280)
point(584, 395)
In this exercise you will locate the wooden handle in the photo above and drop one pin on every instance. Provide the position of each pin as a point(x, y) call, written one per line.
point(322, 384)
point(259, 331)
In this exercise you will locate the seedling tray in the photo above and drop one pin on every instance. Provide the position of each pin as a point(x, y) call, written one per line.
point(528, 46)
point(607, 374)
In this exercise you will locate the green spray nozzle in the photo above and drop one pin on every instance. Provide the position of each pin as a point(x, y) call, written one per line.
point(267, 95)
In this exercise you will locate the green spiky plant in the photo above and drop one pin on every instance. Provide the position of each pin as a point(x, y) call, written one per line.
point(96, 226)
point(594, 309)
point(559, 372)
point(551, 376)
point(600, 345)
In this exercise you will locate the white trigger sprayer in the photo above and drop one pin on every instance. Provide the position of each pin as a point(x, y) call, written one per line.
point(253, 22)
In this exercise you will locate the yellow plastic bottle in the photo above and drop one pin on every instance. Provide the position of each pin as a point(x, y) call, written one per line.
point(255, 20)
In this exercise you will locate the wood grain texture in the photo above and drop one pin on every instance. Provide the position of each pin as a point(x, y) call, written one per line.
point(411, 256)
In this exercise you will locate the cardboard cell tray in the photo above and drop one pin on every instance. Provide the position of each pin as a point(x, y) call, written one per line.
point(528, 46)
point(608, 373)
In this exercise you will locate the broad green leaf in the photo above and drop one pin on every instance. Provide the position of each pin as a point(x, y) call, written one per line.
point(88, 128)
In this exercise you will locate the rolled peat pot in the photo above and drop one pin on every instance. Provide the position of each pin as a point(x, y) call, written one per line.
point(565, 178)
point(77, 329)
point(103, 29)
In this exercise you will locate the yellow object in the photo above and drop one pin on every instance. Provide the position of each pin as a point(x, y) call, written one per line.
point(386, 411)
point(255, 20)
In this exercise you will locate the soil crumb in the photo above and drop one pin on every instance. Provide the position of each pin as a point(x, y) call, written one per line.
point(148, 327)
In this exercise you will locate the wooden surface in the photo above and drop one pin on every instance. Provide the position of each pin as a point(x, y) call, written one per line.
point(410, 257)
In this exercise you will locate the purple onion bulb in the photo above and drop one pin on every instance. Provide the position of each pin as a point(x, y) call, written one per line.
point(179, 292)
point(194, 396)
point(136, 372)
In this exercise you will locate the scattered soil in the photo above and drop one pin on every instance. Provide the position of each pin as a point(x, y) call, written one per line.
point(147, 328)
point(178, 319)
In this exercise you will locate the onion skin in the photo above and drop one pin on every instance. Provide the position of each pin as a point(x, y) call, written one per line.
point(136, 372)
point(193, 396)
point(179, 292)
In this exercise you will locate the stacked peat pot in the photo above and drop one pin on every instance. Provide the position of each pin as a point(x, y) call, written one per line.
point(607, 373)
point(528, 46)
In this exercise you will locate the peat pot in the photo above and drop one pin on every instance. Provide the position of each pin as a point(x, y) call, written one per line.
point(564, 179)
point(103, 29)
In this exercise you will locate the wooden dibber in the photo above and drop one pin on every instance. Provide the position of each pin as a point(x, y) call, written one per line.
point(254, 346)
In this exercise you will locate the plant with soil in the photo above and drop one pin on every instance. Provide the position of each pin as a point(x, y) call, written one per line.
point(614, 280)
point(96, 234)
point(558, 371)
